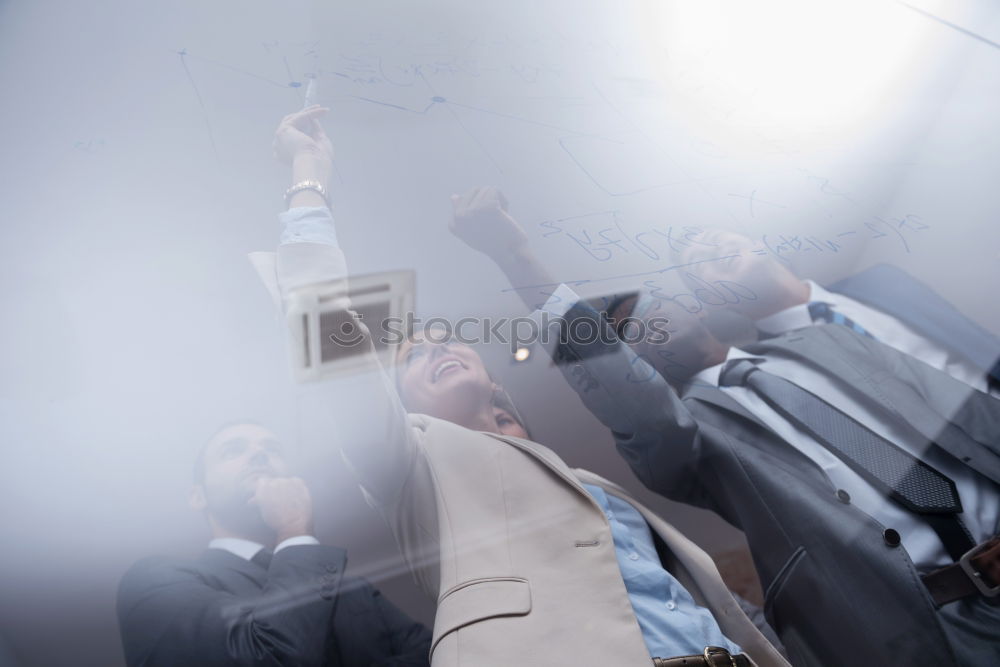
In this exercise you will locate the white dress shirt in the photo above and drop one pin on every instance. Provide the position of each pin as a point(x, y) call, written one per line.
point(884, 327)
point(247, 549)
point(979, 495)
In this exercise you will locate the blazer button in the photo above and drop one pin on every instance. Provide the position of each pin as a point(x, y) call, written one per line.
point(891, 537)
point(843, 496)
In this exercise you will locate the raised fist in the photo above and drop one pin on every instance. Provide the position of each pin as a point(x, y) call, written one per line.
point(481, 220)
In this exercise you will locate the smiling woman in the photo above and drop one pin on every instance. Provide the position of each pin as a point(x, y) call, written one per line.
point(446, 380)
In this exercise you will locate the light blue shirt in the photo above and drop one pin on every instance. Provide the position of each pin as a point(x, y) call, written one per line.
point(308, 224)
point(672, 623)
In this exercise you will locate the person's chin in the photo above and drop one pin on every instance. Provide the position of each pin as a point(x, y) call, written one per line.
point(449, 391)
point(454, 380)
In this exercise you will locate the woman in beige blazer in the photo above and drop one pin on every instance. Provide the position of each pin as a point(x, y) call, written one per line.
point(498, 529)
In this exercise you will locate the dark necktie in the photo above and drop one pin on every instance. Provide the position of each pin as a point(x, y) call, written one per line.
point(904, 478)
point(262, 558)
point(823, 312)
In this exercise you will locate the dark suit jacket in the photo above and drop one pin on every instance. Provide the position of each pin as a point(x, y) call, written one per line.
point(222, 610)
point(836, 591)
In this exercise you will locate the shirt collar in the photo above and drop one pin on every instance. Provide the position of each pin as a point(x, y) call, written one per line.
point(796, 317)
point(710, 375)
point(237, 546)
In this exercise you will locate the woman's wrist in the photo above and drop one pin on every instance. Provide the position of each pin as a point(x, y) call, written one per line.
point(311, 166)
point(307, 197)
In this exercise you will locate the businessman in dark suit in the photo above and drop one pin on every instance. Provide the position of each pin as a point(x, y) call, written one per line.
point(858, 561)
point(240, 603)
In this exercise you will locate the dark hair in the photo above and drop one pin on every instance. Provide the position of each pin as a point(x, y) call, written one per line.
point(503, 401)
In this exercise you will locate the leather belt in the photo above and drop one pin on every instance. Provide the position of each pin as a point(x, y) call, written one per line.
point(976, 572)
point(713, 656)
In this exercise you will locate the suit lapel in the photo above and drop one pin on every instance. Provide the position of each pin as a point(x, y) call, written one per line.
point(758, 434)
point(545, 455)
point(838, 353)
point(844, 355)
point(897, 293)
point(550, 460)
point(818, 346)
point(719, 399)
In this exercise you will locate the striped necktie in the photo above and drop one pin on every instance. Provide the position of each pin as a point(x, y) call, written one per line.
point(820, 311)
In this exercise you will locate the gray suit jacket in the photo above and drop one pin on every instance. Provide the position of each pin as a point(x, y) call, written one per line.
point(835, 591)
point(899, 294)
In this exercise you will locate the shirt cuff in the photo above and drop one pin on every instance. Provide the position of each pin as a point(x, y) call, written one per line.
point(559, 303)
point(308, 224)
point(549, 315)
point(296, 541)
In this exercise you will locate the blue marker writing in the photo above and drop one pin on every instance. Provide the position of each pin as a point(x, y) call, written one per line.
point(310, 92)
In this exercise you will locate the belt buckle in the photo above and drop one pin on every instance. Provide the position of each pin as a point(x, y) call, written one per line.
point(965, 562)
point(717, 650)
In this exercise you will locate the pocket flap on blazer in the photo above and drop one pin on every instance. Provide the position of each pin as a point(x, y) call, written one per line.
point(479, 599)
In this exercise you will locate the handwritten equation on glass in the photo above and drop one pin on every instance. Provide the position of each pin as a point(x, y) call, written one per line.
point(602, 237)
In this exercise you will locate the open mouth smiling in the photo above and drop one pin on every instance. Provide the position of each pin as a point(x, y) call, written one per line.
point(446, 366)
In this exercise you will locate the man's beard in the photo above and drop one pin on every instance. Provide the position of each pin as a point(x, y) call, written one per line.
point(233, 511)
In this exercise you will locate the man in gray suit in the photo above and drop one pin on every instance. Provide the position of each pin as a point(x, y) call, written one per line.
point(859, 474)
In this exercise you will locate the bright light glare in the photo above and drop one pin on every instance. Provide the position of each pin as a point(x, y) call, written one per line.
point(522, 354)
point(795, 62)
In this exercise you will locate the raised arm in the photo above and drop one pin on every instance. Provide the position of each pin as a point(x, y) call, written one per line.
point(480, 218)
point(371, 422)
point(654, 432)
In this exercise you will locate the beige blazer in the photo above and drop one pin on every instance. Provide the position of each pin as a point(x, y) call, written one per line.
point(501, 532)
